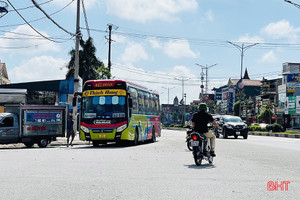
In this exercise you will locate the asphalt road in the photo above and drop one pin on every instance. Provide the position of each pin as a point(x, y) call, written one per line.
point(161, 170)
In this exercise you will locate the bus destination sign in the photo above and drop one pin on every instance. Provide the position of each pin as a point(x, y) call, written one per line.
point(112, 92)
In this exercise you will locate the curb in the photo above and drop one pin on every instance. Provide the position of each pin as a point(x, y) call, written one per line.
point(276, 135)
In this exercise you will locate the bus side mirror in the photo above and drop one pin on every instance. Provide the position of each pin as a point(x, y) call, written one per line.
point(130, 102)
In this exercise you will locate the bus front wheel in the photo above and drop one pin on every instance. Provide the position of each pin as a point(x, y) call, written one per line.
point(95, 143)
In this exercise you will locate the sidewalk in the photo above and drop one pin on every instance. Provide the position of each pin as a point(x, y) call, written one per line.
point(275, 135)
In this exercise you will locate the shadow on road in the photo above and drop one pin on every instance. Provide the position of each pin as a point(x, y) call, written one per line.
point(203, 166)
point(113, 145)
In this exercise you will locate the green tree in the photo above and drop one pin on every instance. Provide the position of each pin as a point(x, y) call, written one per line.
point(90, 67)
point(267, 112)
point(236, 108)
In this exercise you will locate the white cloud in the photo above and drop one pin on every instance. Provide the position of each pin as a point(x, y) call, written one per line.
point(87, 3)
point(269, 57)
point(159, 80)
point(248, 39)
point(155, 44)
point(209, 15)
point(142, 11)
point(38, 69)
point(174, 48)
point(179, 49)
point(28, 39)
point(133, 53)
point(281, 30)
point(118, 38)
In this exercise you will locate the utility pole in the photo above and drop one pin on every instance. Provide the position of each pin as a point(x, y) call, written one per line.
point(202, 84)
point(3, 11)
point(110, 26)
point(182, 80)
point(183, 95)
point(242, 49)
point(183, 116)
point(168, 91)
point(206, 77)
point(109, 48)
point(76, 67)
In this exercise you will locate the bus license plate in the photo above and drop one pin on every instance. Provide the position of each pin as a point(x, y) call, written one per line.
point(194, 143)
point(102, 136)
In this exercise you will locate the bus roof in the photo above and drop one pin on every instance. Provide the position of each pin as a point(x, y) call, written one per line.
point(113, 82)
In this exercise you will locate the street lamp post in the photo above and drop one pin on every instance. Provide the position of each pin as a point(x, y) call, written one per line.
point(3, 8)
point(168, 91)
point(242, 49)
point(295, 4)
point(206, 77)
point(182, 80)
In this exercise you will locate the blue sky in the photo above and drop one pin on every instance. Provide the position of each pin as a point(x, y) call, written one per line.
point(157, 43)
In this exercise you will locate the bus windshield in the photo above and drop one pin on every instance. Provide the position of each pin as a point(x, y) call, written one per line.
point(103, 107)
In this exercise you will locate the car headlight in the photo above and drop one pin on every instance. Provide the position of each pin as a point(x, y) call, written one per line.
point(229, 126)
point(121, 128)
point(84, 129)
point(245, 126)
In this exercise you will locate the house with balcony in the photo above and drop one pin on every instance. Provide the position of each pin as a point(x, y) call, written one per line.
point(269, 90)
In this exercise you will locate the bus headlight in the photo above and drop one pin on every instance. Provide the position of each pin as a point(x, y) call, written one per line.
point(84, 129)
point(121, 128)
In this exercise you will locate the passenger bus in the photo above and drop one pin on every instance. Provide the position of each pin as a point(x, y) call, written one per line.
point(117, 111)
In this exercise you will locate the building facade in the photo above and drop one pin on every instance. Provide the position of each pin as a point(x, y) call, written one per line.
point(3, 74)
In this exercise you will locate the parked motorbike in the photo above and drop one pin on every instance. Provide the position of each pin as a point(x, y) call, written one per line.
point(201, 148)
point(189, 139)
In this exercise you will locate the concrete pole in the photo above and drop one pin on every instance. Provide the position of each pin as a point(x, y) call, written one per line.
point(76, 67)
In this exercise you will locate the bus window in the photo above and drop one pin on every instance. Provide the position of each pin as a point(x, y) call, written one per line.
point(115, 100)
point(122, 101)
point(141, 102)
point(146, 100)
point(108, 100)
point(102, 101)
point(156, 100)
point(134, 97)
point(151, 104)
point(95, 100)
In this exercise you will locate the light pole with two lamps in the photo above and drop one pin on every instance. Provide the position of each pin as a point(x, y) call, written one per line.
point(242, 49)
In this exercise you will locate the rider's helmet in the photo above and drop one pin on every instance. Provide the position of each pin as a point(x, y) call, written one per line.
point(202, 107)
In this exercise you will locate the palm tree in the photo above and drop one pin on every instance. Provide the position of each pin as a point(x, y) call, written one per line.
point(90, 67)
point(267, 112)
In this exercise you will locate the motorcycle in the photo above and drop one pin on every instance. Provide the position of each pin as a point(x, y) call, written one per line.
point(189, 139)
point(201, 148)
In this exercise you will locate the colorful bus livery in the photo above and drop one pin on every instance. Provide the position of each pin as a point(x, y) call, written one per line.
point(117, 110)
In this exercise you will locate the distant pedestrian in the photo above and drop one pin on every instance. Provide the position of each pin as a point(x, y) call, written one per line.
point(70, 131)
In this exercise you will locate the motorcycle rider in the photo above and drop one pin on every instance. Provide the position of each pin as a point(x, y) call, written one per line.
point(200, 121)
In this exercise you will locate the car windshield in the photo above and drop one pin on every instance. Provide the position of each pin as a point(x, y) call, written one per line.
point(103, 107)
point(232, 119)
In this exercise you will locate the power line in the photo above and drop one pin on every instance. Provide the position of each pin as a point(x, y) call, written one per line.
point(29, 23)
point(30, 35)
point(146, 72)
point(38, 7)
point(3, 26)
point(85, 19)
point(208, 42)
point(31, 6)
